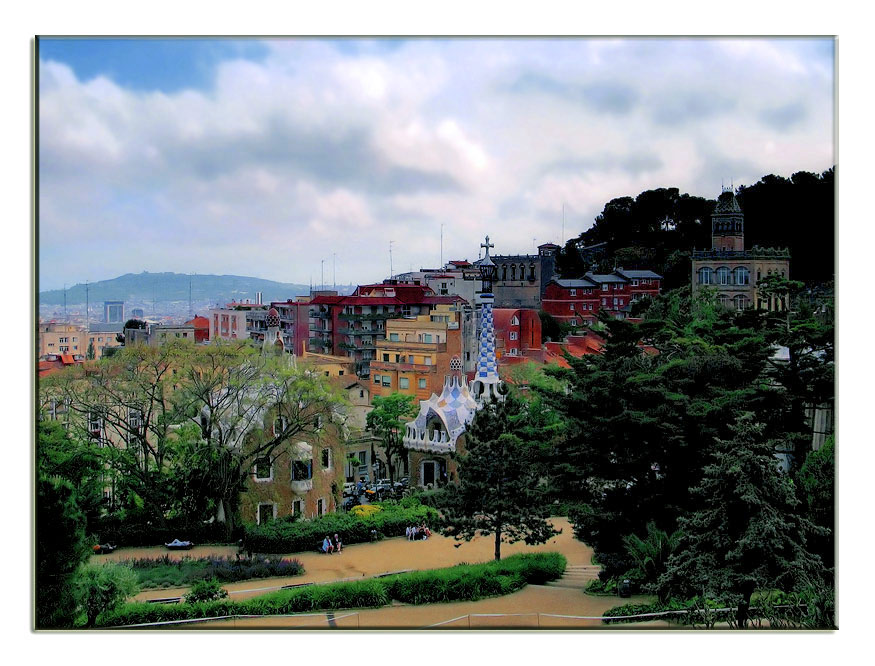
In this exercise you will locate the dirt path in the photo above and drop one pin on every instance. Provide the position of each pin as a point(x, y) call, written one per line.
point(397, 554)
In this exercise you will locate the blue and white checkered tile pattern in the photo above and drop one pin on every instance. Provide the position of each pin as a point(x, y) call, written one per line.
point(487, 365)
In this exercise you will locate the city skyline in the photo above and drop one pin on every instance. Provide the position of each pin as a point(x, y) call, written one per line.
point(265, 157)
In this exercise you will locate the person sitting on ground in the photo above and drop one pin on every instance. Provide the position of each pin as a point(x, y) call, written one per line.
point(326, 545)
point(338, 546)
point(426, 531)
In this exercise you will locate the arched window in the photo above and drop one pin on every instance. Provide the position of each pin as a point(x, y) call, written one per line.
point(706, 276)
point(513, 271)
point(742, 275)
point(723, 275)
point(504, 272)
point(531, 271)
point(742, 302)
point(724, 300)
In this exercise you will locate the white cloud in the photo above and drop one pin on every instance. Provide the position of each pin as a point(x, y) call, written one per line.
point(316, 150)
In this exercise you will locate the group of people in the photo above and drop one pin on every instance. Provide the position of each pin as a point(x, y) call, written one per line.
point(415, 533)
point(330, 545)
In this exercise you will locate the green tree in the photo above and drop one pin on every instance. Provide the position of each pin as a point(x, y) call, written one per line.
point(387, 421)
point(817, 486)
point(246, 406)
point(103, 587)
point(747, 533)
point(60, 549)
point(500, 490)
point(650, 555)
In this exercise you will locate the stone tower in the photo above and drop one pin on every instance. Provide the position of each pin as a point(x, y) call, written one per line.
point(727, 224)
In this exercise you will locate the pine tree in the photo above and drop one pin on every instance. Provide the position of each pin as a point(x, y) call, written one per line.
point(500, 490)
point(747, 534)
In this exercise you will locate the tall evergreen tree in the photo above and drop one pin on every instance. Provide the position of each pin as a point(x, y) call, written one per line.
point(500, 490)
point(747, 533)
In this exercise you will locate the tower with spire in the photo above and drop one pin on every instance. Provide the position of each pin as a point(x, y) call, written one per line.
point(727, 224)
point(443, 419)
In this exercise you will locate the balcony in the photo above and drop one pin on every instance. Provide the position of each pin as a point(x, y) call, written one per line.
point(319, 314)
point(368, 317)
point(359, 331)
point(301, 487)
point(401, 345)
point(403, 367)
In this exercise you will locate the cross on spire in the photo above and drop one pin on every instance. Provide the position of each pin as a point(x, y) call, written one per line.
point(487, 245)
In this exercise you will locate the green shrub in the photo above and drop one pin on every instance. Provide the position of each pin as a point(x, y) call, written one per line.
point(286, 537)
point(206, 590)
point(463, 582)
point(602, 588)
point(103, 587)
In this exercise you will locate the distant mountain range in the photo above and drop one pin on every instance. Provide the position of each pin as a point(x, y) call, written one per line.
point(162, 287)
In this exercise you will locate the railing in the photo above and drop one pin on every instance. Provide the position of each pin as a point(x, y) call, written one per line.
point(418, 367)
point(346, 316)
point(414, 346)
point(318, 314)
point(753, 253)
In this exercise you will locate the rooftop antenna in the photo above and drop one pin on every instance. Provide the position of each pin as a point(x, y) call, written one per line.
point(311, 284)
point(391, 272)
point(322, 274)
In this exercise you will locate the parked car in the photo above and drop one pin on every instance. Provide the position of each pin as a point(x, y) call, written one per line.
point(348, 489)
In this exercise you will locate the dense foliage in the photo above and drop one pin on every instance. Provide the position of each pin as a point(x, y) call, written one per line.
point(103, 587)
point(658, 228)
point(386, 421)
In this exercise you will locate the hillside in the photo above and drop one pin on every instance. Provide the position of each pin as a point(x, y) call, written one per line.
point(163, 287)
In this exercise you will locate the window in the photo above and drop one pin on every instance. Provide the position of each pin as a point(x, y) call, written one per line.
point(297, 508)
point(361, 394)
point(263, 469)
point(571, 306)
point(427, 360)
point(512, 351)
point(706, 276)
point(326, 458)
point(426, 337)
point(320, 507)
point(723, 275)
point(573, 322)
point(302, 470)
point(94, 423)
point(742, 275)
point(385, 358)
point(403, 383)
point(393, 337)
point(573, 292)
point(266, 513)
point(615, 302)
point(604, 301)
point(422, 383)
point(515, 321)
point(634, 283)
point(387, 380)
point(514, 335)
point(279, 426)
point(376, 379)
point(363, 457)
point(723, 299)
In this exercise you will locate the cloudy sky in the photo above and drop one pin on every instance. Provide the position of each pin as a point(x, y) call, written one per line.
point(262, 158)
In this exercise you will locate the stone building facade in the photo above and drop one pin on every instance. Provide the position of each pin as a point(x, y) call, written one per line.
point(729, 268)
point(521, 279)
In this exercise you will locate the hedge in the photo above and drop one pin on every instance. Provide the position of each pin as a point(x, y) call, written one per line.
point(464, 582)
point(112, 530)
point(282, 536)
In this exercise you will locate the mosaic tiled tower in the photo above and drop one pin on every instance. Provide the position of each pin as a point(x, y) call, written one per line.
point(486, 378)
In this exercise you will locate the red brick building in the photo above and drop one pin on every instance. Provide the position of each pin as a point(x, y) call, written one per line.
point(352, 324)
point(577, 302)
point(517, 332)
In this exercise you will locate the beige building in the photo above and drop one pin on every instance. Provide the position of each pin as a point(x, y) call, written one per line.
point(729, 268)
point(56, 338)
point(417, 353)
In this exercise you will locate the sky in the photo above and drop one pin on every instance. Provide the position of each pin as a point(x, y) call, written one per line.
point(302, 159)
